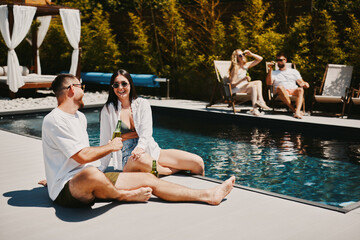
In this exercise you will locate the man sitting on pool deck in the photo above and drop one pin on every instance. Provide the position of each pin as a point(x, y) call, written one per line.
point(287, 81)
point(72, 182)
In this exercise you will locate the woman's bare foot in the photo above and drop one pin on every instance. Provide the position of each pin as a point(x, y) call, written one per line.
point(263, 105)
point(298, 115)
point(142, 194)
point(255, 112)
point(218, 193)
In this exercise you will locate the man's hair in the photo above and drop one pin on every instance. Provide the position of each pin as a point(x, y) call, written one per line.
point(281, 54)
point(59, 83)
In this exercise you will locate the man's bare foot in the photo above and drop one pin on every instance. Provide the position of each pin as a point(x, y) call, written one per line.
point(43, 182)
point(218, 193)
point(142, 194)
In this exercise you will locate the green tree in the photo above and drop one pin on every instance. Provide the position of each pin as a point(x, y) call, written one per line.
point(55, 51)
point(313, 43)
point(253, 29)
point(208, 34)
point(142, 50)
point(352, 47)
point(100, 51)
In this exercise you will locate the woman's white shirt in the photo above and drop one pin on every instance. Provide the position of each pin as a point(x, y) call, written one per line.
point(142, 116)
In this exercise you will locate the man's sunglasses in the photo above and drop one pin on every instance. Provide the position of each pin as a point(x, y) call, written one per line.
point(123, 84)
point(280, 59)
point(79, 85)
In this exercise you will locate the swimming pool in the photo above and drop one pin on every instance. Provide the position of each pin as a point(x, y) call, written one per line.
point(321, 169)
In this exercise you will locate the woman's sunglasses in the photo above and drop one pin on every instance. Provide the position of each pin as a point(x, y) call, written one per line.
point(123, 84)
point(241, 55)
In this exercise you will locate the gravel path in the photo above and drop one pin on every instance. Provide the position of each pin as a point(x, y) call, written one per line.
point(7, 104)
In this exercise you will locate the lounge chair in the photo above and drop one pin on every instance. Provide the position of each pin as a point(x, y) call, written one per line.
point(334, 86)
point(31, 80)
point(354, 99)
point(274, 99)
point(222, 82)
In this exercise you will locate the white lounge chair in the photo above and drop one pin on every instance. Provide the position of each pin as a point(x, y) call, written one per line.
point(222, 80)
point(354, 99)
point(334, 86)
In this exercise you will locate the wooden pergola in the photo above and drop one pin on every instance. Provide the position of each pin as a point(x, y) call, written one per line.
point(41, 10)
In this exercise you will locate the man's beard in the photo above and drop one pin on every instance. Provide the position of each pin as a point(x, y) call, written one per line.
point(281, 65)
point(81, 104)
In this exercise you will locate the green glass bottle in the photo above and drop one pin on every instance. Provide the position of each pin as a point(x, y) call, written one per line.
point(117, 132)
point(154, 169)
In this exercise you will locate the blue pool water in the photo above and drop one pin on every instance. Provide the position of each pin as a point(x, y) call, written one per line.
point(320, 169)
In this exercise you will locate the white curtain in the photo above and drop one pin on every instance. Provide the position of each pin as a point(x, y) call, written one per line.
point(43, 28)
point(23, 16)
point(72, 26)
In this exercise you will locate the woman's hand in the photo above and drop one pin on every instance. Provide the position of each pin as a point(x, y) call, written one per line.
point(136, 153)
point(247, 78)
point(247, 53)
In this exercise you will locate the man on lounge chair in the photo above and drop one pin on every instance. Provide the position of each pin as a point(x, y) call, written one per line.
point(72, 182)
point(287, 81)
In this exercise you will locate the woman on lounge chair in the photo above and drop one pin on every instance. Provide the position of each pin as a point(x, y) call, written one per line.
point(240, 81)
point(139, 147)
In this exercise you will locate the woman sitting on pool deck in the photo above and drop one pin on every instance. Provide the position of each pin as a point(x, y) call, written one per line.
point(139, 147)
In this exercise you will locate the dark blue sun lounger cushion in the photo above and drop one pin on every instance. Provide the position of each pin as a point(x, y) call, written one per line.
point(141, 80)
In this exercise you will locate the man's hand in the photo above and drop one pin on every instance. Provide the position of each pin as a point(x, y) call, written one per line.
point(116, 144)
point(270, 66)
point(302, 83)
point(137, 153)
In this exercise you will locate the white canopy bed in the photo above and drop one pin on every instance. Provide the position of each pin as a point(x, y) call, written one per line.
point(15, 22)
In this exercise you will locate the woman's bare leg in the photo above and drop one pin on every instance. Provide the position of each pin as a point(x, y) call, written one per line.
point(181, 160)
point(258, 85)
point(170, 161)
point(144, 164)
point(252, 89)
point(174, 192)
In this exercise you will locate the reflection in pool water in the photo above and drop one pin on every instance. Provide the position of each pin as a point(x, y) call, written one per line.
point(315, 168)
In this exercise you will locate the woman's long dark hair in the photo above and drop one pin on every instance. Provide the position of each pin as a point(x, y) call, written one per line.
point(112, 98)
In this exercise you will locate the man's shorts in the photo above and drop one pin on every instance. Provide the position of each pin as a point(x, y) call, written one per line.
point(67, 200)
point(112, 176)
point(291, 91)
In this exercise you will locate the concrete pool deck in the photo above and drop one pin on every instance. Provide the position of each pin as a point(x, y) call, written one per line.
point(27, 213)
